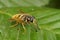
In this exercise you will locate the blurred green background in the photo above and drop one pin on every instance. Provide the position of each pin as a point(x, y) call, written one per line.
point(47, 13)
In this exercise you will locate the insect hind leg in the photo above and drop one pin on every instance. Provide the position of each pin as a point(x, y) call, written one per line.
point(15, 24)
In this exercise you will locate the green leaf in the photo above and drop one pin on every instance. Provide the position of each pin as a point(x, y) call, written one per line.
point(48, 21)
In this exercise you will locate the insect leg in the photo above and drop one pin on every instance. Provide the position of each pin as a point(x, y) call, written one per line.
point(36, 25)
point(24, 27)
point(15, 24)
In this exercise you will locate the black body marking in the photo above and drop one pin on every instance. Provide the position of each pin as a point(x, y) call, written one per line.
point(19, 16)
point(29, 18)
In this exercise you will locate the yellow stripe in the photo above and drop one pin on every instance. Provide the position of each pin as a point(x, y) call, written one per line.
point(21, 16)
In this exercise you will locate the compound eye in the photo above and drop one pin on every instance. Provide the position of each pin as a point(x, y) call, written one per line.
point(31, 20)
